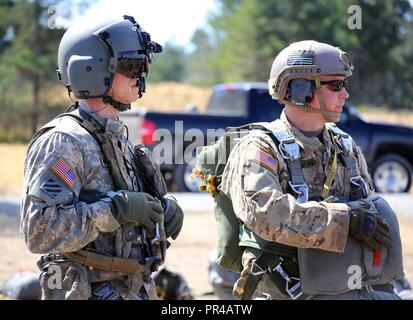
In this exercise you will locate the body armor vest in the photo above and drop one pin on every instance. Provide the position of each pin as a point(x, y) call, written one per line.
point(324, 272)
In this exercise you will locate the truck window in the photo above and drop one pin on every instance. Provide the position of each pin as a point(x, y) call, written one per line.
point(264, 107)
point(228, 102)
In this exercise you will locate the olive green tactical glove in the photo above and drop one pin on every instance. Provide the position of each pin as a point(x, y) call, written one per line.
point(174, 218)
point(136, 207)
point(367, 226)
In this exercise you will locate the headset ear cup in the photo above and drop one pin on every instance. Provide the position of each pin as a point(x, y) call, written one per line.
point(301, 91)
point(310, 97)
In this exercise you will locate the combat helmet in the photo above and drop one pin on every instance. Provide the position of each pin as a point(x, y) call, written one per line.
point(297, 70)
point(90, 54)
point(171, 285)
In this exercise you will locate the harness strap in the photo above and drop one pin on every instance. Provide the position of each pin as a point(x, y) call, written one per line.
point(357, 188)
point(290, 151)
point(110, 263)
point(96, 131)
point(330, 175)
point(88, 258)
point(283, 273)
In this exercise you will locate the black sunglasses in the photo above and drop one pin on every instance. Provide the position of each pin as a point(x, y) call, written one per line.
point(335, 85)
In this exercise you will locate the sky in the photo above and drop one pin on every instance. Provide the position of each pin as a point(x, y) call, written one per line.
point(164, 19)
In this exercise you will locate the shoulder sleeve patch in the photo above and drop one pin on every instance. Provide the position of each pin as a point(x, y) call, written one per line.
point(266, 160)
point(62, 169)
point(52, 188)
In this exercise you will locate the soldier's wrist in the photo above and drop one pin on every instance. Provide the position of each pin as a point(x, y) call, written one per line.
point(167, 209)
point(114, 208)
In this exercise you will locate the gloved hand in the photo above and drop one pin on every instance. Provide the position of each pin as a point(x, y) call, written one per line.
point(136, 207)
point(174, 218)
point(367, 226)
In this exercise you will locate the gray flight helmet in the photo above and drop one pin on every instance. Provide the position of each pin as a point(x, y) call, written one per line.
point(89, 55)
point(308, 60)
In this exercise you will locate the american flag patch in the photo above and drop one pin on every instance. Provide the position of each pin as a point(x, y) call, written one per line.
point(266, 160)
point(301, 58)
point(65, 172)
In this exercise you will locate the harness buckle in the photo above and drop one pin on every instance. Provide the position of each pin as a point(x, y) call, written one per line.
point(261, 270)
point(359, 182)
point(294, 291)
point(292, 284)
point(289, 149)
point(301, 190)
point(347, 144)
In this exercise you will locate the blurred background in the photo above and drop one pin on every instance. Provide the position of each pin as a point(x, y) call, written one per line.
point(206, 42)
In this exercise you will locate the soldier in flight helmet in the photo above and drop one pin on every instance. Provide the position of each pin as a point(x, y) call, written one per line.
point(95, 205)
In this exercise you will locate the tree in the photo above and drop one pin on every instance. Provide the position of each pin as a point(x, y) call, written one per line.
point(169, 65)
point(250, 33)
point(29, 60)
point(201, 68)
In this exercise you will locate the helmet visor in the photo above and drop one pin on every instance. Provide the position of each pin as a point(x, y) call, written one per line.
point(133, 64)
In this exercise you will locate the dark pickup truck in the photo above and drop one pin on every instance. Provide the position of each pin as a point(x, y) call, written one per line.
point(388, 148)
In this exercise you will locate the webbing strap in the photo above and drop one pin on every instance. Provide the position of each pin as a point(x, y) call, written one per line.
point(357, 187)
point(109, 263)
point(251, 283)
point(277, 268)
point(107, 148)
point(285, 143)
point(290, 151)
point(330, 175)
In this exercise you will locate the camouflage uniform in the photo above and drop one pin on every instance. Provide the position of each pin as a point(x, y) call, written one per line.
point(64, 208)
point(260, 197)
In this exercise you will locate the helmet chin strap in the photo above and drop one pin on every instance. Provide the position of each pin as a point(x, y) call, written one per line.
point(140, 82)
point(116, 104)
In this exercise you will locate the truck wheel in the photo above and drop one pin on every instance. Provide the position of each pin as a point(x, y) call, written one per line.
point(392, 173)
point(182, 178)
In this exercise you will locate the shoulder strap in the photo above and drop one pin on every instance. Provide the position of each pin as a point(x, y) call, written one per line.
point(343, 141)
point(43, 130)
point(290, 151)
point(344, 138)
point(97, 132)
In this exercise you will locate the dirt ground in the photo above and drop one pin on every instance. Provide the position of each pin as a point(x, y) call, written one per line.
point(188, 255)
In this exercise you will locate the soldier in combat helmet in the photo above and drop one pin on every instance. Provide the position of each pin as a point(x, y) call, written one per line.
point(311, 225)
point(94, 204)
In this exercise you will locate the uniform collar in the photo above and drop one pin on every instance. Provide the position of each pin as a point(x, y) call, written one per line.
point(309, 143)
point(113, 127)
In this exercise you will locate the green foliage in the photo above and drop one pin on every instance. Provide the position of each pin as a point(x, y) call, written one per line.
point(169, 65)
point(17, 134)
point(201, 64)
point(28, 61)
point(238, 44)
point(248, 34)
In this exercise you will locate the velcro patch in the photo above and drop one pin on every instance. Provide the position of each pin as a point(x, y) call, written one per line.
point(65, 172)
point(52, 188)
point(266, 160)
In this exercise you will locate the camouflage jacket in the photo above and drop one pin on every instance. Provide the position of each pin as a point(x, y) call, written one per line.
point(64, 209)
point(259, 191)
